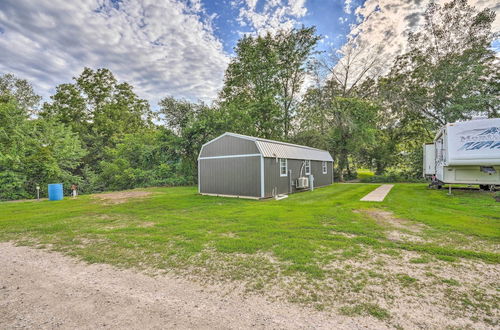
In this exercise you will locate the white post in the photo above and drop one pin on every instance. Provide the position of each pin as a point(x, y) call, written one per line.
point(262, 190)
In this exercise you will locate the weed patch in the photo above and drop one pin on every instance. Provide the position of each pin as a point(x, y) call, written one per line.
point(366, 309)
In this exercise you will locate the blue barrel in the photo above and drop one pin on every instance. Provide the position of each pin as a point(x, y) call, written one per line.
point(55, 192)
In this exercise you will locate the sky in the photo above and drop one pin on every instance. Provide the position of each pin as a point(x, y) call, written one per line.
point(181, 48)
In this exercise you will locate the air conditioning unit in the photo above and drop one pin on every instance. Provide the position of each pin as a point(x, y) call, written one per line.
point(302, 182)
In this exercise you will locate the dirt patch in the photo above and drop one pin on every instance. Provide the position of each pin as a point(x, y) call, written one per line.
point(146, 224)
point(421, 292)
point(398, 236)
point(71, 294)
point(387, 219)
point(229, 234)
point(400, 230)
point(121, 196)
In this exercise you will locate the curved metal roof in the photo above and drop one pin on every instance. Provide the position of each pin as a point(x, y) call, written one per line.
point(277, 149)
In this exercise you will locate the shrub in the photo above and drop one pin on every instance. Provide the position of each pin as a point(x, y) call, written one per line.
point(391, 176)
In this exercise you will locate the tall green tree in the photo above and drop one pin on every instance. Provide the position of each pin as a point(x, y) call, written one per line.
point(294, 50)
point(17, 102)
point(32, 151)
point(263, 81)
point(192, 125)
point(100, 109)
point(353, 128)
point(13, 147)
point(21, 91)
point(346, 125)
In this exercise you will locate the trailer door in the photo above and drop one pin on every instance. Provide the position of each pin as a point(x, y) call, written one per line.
point(429, 159)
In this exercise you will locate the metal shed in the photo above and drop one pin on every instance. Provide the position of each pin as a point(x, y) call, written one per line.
point(250, 167)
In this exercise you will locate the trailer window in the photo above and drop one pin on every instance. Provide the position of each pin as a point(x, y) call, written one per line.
point(307, 167)
point(325, 168)
point(283, 167)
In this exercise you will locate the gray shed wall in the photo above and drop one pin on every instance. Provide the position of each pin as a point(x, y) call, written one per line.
point(273, 180)
point(230, 176)
point(229, 145)
point(321, 179)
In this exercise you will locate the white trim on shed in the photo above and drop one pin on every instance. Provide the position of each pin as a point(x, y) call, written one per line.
point(230, 156)
point(262, 187)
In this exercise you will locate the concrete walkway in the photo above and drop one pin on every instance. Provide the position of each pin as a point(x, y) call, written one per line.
point(378, 194)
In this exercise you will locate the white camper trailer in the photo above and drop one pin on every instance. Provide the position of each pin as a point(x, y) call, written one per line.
point(465, 153)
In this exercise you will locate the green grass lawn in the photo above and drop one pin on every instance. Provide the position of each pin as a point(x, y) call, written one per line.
point(364, 173)
point(181, 223)
point(263, 242)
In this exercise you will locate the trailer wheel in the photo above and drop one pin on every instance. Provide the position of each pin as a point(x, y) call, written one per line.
point(483, 187)
point(439, 186)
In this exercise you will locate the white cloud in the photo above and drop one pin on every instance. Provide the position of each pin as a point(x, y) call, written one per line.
point(274, 15)
point(347, 6)
point(162, 48)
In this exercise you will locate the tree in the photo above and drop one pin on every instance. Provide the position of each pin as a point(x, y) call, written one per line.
point(353, 127)
point(34, 152)
point(337, 113)
point(147, 158)
point(263, 81)
point(294, 49)
point(250, 88)
point(21, 91)
point(348, 68)
point(17, 101)
point(13, 129)
point(54, 153)
point(99, 109)
point(449, 72)
point(346, 126)
point(192, 125)
point(69, 107)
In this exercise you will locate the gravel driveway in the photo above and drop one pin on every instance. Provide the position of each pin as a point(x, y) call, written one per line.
point(41, 289)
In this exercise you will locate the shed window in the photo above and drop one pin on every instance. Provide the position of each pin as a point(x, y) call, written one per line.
point(283, 167)
point(307, 167)
point(325, 167)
